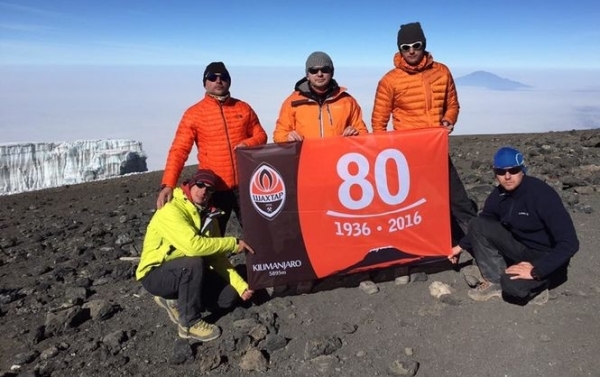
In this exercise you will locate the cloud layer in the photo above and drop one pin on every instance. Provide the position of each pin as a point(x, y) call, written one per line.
point(146, 103)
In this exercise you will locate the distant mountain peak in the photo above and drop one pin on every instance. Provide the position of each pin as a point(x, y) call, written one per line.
point(488, 80)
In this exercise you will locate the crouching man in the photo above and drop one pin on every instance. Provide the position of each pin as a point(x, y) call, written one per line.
point(523, 239)
point(184, 260)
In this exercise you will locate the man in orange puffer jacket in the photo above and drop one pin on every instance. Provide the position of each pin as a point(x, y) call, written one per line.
point(318, 107)
point(420, 93)
point(218, 124)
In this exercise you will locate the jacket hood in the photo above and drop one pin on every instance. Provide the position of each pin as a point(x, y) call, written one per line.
point(400, 63)
point(303, 88)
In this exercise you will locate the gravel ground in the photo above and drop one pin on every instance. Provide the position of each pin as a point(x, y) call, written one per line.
point(69, 305)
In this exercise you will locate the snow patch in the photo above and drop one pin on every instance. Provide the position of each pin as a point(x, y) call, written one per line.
point(35, 166)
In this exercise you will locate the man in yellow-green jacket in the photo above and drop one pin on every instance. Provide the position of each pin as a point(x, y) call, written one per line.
point(184, 261)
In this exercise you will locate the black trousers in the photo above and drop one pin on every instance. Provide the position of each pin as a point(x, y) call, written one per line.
point(494, 249)
point(462, 208)
point(227, 201)
point(195, 287)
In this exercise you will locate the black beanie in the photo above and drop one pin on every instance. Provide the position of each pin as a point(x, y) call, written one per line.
point(214, 67)
point(410, 33)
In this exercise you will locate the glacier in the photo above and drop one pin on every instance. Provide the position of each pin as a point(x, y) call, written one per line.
point(35, 166)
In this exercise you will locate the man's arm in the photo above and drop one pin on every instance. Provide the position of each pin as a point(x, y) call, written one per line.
point(257, 134)
point(285, 122)
point(181, 146)
point(560, 226)
point(383, 105)
point(451, 107)
point(226, 270)
point(356, 117)
point(178, 229)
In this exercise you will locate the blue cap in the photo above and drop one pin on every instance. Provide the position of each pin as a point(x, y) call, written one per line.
point(507, 157)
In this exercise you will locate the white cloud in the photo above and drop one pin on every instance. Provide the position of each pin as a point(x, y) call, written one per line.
point(146, 103)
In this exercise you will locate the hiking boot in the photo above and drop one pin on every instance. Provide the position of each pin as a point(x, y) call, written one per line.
point(485, 291)
point(304, 287)
point(472, 275)
point(402, 276)
point(402, 280)
point(200, 330)
point(418, 276)
point(170, 306)
point(541, 298)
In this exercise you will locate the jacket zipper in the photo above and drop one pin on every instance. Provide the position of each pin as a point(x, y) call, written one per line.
point(235, 178)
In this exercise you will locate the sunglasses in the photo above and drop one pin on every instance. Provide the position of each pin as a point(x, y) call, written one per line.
point(511, 171)
point(212, 77)
point(408, 46)
point(315, 70)
point(209, 189)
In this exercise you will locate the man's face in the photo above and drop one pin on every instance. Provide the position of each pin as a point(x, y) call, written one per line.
point(201, 193)
point(217, 84)
point(509, 178)
point(319, 77)
point(412, 53)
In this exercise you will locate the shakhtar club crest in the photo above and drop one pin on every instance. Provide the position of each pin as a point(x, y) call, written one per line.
point(267, 191)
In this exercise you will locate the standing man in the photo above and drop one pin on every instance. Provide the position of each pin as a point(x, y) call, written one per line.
point(184, 260)
point(420, 93)
point(523, 238)
point(218, 124)
point(318, 107)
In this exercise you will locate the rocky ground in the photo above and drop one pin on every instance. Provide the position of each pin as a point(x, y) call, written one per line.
point(69, 304)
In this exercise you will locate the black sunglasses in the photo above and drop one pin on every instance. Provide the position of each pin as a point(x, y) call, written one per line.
point(511, 171)
point(315, 70)
point(212, 77)
point(408, 46)
point(209, 189)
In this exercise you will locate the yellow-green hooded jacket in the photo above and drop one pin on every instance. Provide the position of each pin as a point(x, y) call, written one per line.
point(176, 231)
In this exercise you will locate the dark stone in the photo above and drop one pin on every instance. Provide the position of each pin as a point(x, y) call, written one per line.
point(25, 357)
point(273, 342)
point(325, 345)
point(182, 352)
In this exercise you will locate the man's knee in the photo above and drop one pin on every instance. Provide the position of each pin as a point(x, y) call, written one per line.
point(485, 227)
point(559, 276)
point(477, 225)
point(192, 270)
point(192, 263)
point(228, 298)
point(517, 288)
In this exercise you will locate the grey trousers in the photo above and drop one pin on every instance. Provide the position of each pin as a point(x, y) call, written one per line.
point(195, 287)
point(494, 249)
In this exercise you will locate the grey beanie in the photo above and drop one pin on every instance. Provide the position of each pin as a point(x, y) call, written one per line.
point(318, 59)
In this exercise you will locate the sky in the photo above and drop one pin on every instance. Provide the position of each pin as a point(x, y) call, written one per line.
point(83, 69)
point(531, 33)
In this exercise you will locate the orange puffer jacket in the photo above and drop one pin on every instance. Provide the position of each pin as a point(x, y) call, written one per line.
point(216, 128)
point(302, 113)
point(416, 97)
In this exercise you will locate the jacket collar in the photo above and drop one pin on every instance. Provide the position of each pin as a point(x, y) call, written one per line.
point(303, 88)
point(400, 63)
point(226, 99)
point(516, 193)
